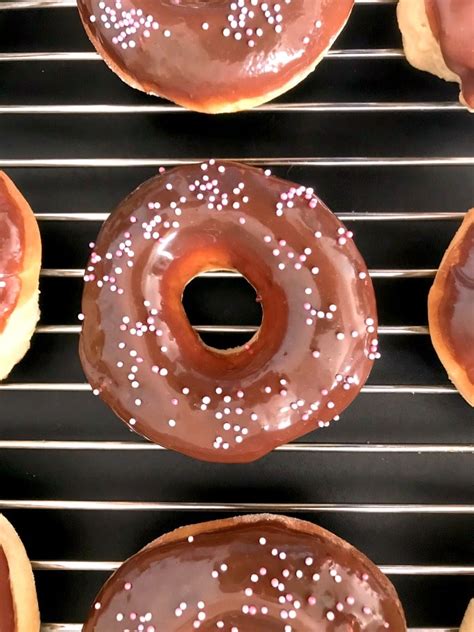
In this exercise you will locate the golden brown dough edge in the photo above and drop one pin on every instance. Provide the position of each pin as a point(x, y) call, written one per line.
point(21, 579)
point(456, 374)
point(421, 47)
point(293, 524)
point(16, 336)
point(215, 107)
point(467, 624)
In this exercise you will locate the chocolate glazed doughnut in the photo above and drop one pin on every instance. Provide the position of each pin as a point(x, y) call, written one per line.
point(451, 309)
point(314, 349)
point(213, 55)
point(18, 602)
point(438, 36)
point(248, 574)
point(20, 263)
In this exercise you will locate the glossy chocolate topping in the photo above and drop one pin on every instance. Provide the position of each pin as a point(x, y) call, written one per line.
point(456, 310)
point(314, 349)
point(11, 254)
point(452, 23)
point(253, 574)
point(7, 612)
point(202, 53)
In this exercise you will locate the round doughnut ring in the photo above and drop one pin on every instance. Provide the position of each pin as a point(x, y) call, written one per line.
point(307, 362)
point(248, 574)
point(213, 55)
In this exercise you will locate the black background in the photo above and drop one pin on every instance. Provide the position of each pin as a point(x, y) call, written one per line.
point(282, 476)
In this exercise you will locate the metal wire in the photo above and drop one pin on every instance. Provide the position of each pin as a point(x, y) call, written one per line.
point(344, 217)
point(116, 505)
point(165, 108)
point(107, 566)
point(389, 389)
point(402, 330)
point(78, 273)
point(356, 161)
point(352, 448)
point(348, 53)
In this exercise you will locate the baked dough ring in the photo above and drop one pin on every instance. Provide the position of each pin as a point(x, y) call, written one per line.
point(248, 574)
point(447, 53)
point(20, 262)
point(451, 309)
point(18, 603)
point(422, 48)
point(213, 56)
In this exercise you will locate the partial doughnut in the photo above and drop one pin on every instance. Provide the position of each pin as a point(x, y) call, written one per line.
point(213, 56)
point(18, 602)
point(467, 624)
point(451, 310)
point(248, 574)
point(438, 36)
point(20, 262)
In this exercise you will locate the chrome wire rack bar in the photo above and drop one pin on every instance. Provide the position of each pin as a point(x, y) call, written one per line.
point(351, 448)
point(379, 389)
point(117, 505)
point(99, 566)
point(165, 108)
point(403, 330)
point(78, 273)
point(352, 161)
point(353, 53)
point(344, 217)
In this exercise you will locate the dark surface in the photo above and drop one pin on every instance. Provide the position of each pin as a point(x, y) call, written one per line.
point(282, 476)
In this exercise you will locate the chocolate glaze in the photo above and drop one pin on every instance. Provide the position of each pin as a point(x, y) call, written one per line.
point(7, 612)
point(456, 310)
point(248, 574)
point(188, 51)
point(316, 344)
point(12, 241)
point(452, 23)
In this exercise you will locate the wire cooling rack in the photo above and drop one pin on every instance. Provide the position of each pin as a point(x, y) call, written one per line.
point(389, 149)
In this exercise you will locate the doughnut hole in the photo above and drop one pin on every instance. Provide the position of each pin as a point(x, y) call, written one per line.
point(227, 302)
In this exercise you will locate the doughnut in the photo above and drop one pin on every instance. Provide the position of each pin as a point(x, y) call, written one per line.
point(18, 603)
point(467, 624)
point(213, 55)
point(451, 310)
point(438, 36)
point(20, 262)
point(307, 362)
point(245, 574)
